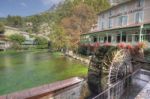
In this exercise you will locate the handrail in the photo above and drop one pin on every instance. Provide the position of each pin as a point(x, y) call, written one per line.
point(113, 86)
point(143, 61)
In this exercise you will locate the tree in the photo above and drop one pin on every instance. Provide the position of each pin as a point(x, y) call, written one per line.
point(17, 38)
point(59, 38)
point(41, 42)
point(14, 21)
point(68, 20)
point(2, 28)
point(98, 5)
point(79, 22)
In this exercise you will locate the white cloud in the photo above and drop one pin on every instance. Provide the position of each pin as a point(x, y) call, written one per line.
point(23, 4)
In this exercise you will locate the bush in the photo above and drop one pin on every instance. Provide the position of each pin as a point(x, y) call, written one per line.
point(2, 28)
point(83, 50)
point(17, 38)
point(41, 42)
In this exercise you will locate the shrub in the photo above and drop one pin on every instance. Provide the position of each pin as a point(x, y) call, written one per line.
point(41, 42)
point(83, 49)
point(141, 45)
point(2, 28)
point(17, 38)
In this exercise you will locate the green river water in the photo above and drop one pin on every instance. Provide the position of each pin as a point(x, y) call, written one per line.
point(23, 70)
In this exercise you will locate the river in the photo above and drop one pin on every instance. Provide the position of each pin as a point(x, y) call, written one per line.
point(22, 70)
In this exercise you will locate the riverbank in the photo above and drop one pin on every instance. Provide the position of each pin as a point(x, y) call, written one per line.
point(85, 60)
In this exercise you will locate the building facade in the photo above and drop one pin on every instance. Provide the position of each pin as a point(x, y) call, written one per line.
point(127, 22)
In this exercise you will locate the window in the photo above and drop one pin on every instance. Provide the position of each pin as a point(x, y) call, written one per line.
point(122, 20)
point(99, 22)
point(129, 38)
point(109, 39)
point(136, 39)
point(110, 13)
point(124, 37)
point(94, 39)
point(139, 17)
point(140, 3)
point(122, 8)
point(110, 23)
point(105, 39)
point(118, 38)
point(102, 25)
point(101, 40)
point(103, 16)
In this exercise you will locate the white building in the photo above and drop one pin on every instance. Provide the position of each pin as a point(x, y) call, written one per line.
point(127, 22)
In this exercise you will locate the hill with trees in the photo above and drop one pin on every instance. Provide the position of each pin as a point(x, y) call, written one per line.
point(71, 17)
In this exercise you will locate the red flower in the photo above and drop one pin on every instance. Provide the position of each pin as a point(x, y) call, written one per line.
point(122, 45)
point(97, 44)
point(129, 47)
point(107, 44)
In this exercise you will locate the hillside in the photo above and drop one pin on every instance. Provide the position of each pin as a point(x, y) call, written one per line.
point(63, 23)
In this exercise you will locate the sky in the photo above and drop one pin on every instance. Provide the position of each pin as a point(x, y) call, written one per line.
point(24, 7)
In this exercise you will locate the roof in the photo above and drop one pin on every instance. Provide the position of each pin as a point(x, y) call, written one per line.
point(115, 6)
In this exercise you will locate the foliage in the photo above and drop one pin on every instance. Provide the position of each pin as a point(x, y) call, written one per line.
point(36, 21)
point(97, 5)
point(2, 28)
point(41, 40)
point(79, 22)
point(14, 21)
point(59, 38)
point(17, 38)
point(73, 17)
point(141, 45)
point(70, 18)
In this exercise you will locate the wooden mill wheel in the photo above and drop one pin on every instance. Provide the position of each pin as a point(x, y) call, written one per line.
point(108, 65)
point(118, 63)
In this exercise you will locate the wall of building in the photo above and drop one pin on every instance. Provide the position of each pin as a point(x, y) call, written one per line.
point(129, 9)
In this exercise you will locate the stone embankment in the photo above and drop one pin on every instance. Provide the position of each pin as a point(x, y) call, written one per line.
point(79, 57)
point(66, 89)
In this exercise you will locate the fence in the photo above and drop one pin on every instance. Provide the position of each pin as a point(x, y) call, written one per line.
point(116, 91)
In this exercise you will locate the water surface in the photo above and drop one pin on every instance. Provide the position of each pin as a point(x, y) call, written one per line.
point(24, 70)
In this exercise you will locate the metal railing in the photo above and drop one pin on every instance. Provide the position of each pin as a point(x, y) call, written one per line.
point(116, 91)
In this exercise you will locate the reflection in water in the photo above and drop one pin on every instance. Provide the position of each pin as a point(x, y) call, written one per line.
point(25, 70)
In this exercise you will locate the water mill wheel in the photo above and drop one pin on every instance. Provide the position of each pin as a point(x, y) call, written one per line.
point(108, 65)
